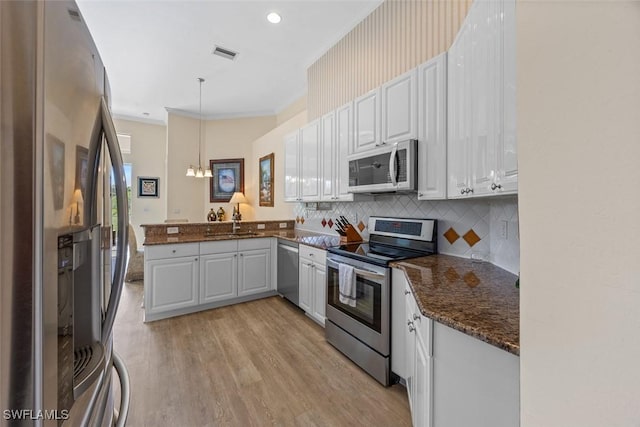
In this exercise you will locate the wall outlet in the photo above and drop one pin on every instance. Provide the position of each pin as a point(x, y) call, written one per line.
point(260, 226)
point(283, 225)
point(172, 230)
point(504, 229)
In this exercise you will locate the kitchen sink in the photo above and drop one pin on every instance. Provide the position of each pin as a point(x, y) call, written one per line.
point(244, 234)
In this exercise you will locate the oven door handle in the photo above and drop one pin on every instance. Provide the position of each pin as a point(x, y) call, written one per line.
point(368, 273)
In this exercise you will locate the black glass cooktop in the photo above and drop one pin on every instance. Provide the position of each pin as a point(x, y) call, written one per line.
point(375, 253)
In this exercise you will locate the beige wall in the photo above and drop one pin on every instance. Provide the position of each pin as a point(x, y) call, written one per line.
point(230, 139)
point(579, 145)
point(148, 158)
point(273, 142)
point(296, 107)
point(394, 38)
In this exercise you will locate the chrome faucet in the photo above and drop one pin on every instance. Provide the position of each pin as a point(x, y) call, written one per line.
point(236, 224)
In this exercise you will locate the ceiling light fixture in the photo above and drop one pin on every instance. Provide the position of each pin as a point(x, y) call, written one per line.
point(274, 18)
point(199, 173)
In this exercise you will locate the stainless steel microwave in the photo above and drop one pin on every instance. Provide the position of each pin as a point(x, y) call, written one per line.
point(389, 168)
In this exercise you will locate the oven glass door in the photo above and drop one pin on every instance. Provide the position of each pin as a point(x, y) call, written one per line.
point(366, 308)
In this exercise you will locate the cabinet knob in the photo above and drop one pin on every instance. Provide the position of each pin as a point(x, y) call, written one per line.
point(235, 255)
point(410, 322)
point(241, 254)
point(420, 194)
point(196, 259)
point(462, 191)
point(495, 187)
point(416, 317)
point(173, 251)
point(411, 328)
point(406, 292)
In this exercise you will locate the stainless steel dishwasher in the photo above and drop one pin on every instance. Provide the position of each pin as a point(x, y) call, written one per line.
point(288, 270)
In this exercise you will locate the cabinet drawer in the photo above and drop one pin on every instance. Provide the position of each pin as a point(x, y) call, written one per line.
point(225, 246)
point(171, 251)
point(313, 254)
point(250, 244)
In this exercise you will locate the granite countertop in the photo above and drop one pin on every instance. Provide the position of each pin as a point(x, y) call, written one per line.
point(479, 299)
point(321, 241)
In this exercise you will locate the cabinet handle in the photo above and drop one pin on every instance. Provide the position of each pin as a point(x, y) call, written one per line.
point(411, 327)
point(409, 322)
point(462, 191)
point(241, 254)
point(420, 194)
point(416, 317)
point(406, 292)
point(196, 259)
point(494, 187)
point(235, 255)
point(173, 251)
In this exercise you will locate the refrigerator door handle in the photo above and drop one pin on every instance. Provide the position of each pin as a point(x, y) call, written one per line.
point(123, 220)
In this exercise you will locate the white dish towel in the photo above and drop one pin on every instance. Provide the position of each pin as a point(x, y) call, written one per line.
point(347, 283)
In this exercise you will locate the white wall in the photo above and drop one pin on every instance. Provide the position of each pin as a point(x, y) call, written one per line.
point(147, 158)
point(579, 144)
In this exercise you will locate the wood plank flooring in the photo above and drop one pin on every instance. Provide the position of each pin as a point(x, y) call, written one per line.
point(252, 364)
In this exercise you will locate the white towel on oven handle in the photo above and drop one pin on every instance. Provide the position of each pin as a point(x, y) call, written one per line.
point(347, 284)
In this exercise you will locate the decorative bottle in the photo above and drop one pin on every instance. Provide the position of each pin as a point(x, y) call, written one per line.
point(220, 214)
point(211, 216)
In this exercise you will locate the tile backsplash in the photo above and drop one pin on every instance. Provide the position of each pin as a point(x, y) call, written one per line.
point(485, 227)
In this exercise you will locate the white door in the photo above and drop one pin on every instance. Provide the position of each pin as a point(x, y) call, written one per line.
point(400, 108)
point(319, 281)
point(310, 161)
point(432, 132)
point(173, 282)
point(366, 122)
point(291, 167)
point(254, 272)
point(218, 277)
point(458, 114)
point(327, 182)
point(344, 147)
point(304, 283)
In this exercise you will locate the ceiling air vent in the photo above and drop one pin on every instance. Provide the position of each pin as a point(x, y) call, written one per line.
point(74, 14)
point(225, 53)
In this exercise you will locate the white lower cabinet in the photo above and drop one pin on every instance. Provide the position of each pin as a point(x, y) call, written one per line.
point(312, 282)
point(219, 277)
point(172, 284)
point(185, 278)
point(452, 379)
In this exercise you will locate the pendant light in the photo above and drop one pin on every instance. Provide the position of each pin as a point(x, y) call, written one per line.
point(199, 173)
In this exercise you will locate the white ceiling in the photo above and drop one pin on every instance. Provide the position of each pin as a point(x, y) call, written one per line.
point(154, 51)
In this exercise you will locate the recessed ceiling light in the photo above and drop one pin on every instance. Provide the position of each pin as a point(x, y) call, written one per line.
point(274, 18)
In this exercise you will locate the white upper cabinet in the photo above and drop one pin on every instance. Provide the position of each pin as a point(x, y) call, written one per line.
point(400, 108)
point(432, 129)
point(310, 161)
point(366, 122)
point(481, 124)
point(329, 159)
point(344, 143)
point(292, 167)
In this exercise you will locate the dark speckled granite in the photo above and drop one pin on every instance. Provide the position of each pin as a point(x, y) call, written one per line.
point(321, 241)
point(478, 299)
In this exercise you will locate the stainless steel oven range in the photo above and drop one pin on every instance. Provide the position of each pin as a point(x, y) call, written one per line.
point(359, 289)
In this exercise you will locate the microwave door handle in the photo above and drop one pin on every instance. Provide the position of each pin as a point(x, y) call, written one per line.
point(393, 172)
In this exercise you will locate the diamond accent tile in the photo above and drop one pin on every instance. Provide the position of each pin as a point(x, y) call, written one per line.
point(301, 220)
point(451, 235)
point(297, 219)
point(330, 223)
point(471, 237)
point(471, 279)
point(361, 226)
point(323, 222)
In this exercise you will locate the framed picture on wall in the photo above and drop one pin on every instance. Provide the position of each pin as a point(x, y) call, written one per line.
point(148, 187)
point(228, 177)
point(265, 166)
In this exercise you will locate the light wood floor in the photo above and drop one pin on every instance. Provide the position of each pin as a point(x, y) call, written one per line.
point(257, 363)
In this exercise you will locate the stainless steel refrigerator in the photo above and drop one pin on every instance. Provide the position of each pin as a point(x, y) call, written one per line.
point(59, 289)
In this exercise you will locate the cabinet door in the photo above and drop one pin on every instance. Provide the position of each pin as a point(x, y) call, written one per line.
point(399, 108)
point(485, 96)
point(344, 142)
point(423, 374)
point(432, 132)
point(255, 272)
point(310, 161)
point(508, 149)
point(398, 322)
point(327, 181)
point(304, 283)
point(410, 349)
point(366, 122)
point(218, 277)
point(319, 281)
point(291, 168)
point(172, 284)
point(458, 114)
